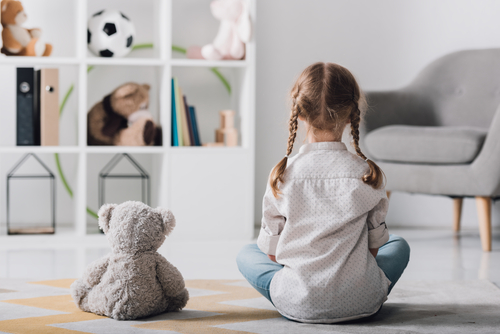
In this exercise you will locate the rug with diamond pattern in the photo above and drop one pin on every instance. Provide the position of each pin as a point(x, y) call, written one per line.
point(229, 306)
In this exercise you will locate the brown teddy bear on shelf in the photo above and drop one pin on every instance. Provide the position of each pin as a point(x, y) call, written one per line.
point(19, 41)
point(122, 118)
point(134, 280)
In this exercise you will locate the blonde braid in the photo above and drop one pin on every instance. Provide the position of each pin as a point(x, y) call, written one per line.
point(375, 177)
point(279, 169)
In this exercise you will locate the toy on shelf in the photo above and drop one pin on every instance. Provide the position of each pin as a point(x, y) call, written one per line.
point(122, 118)
point(15, 175)
point(19, 41)
point(227, 134)
point(134, 280)
point(1, 30)
point(234, 31)
point(110, 33)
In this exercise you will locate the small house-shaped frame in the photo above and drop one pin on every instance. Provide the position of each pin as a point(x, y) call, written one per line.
point(50, 177)
point(107, 172)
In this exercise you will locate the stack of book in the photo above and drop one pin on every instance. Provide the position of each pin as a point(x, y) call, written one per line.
point(184, 125)
point(37, 94)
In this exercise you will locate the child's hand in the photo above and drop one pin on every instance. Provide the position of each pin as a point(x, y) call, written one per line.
point(272, 258)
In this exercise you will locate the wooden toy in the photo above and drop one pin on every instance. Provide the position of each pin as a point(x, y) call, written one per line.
point(227, 134)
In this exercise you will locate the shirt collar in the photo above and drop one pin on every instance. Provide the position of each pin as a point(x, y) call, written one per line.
point(325, 145)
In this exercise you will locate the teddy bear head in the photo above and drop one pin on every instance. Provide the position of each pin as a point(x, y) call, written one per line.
point(226, 9)
point(129, 98)
point(133, 227)
point(12, 12)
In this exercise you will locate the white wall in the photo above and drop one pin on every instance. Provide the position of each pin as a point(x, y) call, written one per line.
point(385, 43)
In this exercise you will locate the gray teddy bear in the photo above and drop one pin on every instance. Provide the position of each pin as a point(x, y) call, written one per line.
point(134, 280)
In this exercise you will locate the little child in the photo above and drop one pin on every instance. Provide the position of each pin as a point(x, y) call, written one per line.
point(324, 253)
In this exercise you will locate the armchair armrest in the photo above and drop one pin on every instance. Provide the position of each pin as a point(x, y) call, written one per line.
point(486, 166)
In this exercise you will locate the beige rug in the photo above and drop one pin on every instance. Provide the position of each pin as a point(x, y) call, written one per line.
point(218, 306)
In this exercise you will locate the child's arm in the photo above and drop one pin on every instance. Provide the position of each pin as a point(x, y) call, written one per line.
point(272, 225)
point(378, 234)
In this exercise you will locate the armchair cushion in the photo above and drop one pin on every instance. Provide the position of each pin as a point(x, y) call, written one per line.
point(425, 144)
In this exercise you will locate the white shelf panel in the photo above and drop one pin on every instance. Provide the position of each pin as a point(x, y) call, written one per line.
point(40, 149)
point(215, 150)
point(17, 60)
point(125, 61)
point(208, 63)
point(124, 149)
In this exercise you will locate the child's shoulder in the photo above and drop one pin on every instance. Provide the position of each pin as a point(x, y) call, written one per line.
point(326, 164)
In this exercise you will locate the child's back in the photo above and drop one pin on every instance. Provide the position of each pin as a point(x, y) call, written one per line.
point(329, 274)
point(324, 253)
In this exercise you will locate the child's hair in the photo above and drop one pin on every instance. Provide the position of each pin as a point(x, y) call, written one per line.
point(327, 96)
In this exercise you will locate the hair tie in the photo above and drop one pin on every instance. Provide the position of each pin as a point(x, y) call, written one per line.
point(366, 160)
point(286, 156)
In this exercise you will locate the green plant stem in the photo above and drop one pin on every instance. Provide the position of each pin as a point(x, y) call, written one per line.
point(179, 49)
point(142, 46)
point(61, 174)
point(65, 99)
point(92, 213)
point(67, 186)
point(222, 78)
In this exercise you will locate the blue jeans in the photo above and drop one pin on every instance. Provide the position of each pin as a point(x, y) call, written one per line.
point(259, 270)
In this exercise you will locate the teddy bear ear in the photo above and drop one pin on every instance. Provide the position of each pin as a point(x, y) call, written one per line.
point(168, 220)
point(126, 89)
point(146, 86)
point(104, 214)
point(4, 5)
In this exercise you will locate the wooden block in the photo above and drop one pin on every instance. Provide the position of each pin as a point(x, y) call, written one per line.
point(213, 144)
point(228, 137)
point(226, 119)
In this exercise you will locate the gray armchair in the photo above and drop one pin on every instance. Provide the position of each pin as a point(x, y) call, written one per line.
point(440, 135)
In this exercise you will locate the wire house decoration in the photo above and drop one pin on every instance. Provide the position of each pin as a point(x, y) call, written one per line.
point(50, 177)
point(106, 172)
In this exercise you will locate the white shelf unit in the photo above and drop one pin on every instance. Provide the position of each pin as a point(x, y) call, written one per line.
point(209, 189)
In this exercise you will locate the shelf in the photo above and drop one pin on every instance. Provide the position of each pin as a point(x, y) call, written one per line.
point(208, 63)
point(40, 149)
point(15, 60)
point(217, 150)
point(124, 149)
point(179, 176)
point(120, 61)
point(125, 61)
point(121, 149)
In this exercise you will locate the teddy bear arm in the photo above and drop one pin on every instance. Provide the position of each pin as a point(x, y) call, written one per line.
point(35, 32)
point(94, 272)
point(170, 278)
point(9, 42)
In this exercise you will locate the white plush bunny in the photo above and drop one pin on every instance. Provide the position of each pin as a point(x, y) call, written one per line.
point(235, 30)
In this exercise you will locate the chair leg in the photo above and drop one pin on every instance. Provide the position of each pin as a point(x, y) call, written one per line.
point(484, 213)
point(457, 213)
point(388, 194)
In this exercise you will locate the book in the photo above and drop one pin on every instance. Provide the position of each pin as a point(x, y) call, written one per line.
point(27, 120)
point(189, 122)
point(178, 114)
point(47, 105)
point(175, 140)
point(185, 129)
point(192, 112)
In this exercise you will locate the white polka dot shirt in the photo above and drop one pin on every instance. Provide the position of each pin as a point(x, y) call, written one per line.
point(321, 229)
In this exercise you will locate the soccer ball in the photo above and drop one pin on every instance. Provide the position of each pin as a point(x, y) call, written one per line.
point(110, 34)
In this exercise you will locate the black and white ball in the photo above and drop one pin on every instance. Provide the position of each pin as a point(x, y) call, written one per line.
point(110, 33)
